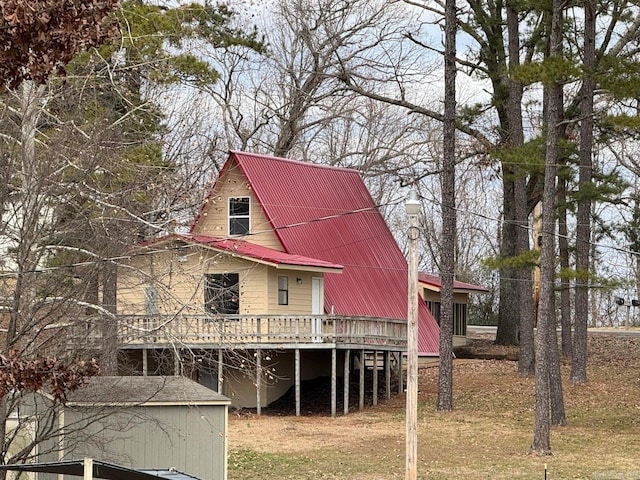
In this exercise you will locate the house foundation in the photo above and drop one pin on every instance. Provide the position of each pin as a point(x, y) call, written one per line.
point(257, 378)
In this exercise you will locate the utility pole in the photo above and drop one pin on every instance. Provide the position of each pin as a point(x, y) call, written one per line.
point(412, 208)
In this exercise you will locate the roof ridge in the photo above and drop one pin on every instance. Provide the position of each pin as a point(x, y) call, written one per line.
point(292, 160)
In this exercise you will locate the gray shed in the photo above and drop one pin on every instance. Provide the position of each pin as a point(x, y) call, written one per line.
point(146, 423)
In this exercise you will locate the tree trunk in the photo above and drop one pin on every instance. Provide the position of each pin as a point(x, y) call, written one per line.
point(541, 433)
point(509, 305)
point(27, 217)
point(583, 216)
point(637, 285)
point(109, 350)
point(526, 356)
point(4, 417)
point(558, 415)
point(92, 289)
point(445, 377)
point(521, 210)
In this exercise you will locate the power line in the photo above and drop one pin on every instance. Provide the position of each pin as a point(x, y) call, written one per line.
point(391, 203)
point(531, 229)
point(128, 256)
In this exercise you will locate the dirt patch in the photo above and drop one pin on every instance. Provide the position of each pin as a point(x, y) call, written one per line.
point(302, 434)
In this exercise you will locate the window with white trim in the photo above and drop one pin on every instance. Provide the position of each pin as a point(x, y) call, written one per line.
point(239, 216)
point(283, 290)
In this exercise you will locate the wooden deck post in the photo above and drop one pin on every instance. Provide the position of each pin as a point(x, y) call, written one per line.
point(387, 374)
point(375, 378)
point(334, 380)
point(347, 358)
point(145, 362)
point(297, 381)
point(400, 373)
point(220, 370)
point(362, 370)
point(258, 381)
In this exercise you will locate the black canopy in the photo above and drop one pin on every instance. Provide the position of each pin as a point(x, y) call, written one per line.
point(108, 471)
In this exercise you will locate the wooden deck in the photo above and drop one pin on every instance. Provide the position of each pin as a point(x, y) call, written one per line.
point(256, 331)
point(373, 340)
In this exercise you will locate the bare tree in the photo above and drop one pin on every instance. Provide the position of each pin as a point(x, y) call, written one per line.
point(83, 171)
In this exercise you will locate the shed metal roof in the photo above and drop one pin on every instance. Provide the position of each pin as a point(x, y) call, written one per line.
point(148, 391)
point(327, 213)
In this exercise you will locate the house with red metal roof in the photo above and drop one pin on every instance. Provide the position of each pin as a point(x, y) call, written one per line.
point(429, 288)
point(288, 273)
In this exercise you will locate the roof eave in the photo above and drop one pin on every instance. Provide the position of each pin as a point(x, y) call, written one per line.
point(190, 403)
point(286, 266)
point(269, 263)
point(438, 288)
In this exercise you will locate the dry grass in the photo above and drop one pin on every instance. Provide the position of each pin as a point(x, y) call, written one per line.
point(486, 437)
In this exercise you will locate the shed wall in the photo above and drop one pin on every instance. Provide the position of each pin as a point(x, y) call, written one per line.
point(190, 439)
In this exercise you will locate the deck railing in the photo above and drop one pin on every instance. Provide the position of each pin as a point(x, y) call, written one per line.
point(238, 330)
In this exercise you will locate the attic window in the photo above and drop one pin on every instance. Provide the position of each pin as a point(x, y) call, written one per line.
point(239, 219)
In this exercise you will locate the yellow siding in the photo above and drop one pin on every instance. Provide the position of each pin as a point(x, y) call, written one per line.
point(214, 220)
point(178, 279)
point(431, 296)
point(299, 293)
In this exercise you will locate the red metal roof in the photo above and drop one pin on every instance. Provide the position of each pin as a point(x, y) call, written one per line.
point(327, 213)
point(258, 252)
point(249, 250)
point(435, 281)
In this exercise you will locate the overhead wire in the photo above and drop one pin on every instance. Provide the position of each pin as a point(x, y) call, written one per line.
point(376, 207)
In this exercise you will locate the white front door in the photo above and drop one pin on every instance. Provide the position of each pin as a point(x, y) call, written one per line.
point(317, 307)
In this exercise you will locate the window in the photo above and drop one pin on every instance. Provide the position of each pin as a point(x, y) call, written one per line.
point(239, 215)
point(459, 316)
point(460, 319)
point(283, 290)
point(222, 293)
point(151, 300)
point(434, 308)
